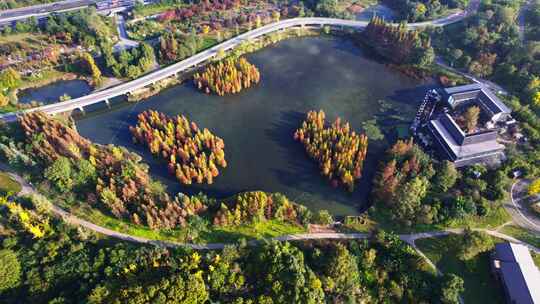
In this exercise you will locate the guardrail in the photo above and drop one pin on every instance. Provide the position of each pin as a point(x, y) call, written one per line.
point(153, 77)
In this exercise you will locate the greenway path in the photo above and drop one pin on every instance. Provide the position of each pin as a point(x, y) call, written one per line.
point(27, 189)
point(194, 61)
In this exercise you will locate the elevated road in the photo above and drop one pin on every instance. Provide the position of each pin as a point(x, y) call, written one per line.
point(151, 78)
point(43, 10)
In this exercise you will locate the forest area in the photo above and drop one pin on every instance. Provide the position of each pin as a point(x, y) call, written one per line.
point(488, 45)
point(69, 265)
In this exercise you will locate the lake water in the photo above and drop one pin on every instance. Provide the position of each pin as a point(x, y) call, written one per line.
point(257, 125)
point(51, 93)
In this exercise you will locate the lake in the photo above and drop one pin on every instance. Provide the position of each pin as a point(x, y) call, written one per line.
point(257, 125)
point(51, 93)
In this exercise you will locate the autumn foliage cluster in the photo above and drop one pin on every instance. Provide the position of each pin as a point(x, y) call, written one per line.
point(396, 43)
point(339, 150)
point(229, 76)
point(193, 155)
point(258, 206)
point(406, 161)
point(185, 13)
point(122, 186)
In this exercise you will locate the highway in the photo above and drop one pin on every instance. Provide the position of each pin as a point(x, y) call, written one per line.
point(42, 10)
point(151, 78)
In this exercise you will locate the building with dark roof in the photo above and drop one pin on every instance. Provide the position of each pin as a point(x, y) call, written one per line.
point(515, 268)
point(480, 95)
point(460, 148)
point(456, 145)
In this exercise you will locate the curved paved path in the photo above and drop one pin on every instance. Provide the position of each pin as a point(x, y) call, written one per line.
point(27, 189)
point(521, 215)
point(186, 64)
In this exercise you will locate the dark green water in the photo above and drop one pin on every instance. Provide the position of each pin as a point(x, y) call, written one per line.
point(52, 92)
point(258, 125)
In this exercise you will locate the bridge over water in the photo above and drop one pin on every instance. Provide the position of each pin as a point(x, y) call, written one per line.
point(191, 62)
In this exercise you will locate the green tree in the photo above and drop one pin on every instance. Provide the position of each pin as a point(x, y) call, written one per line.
point(60, 174)
point(10, 270)
point(456, 54)
point(474, 243)
point(327, 8)
point(341, 276)
point(451, 287)
point(446, 176)
point(410, 199)
point(86, 173)
point(323, 217)
point(279, 271)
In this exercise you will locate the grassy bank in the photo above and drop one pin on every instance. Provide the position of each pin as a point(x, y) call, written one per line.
point(44, 78)
point(8, 184)
point(479, 283)
point(496, 217)
point(522, 234)
point(212, 234)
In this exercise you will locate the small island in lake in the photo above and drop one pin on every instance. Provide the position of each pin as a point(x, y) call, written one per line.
point(339, 151)
point(229, 76)
point(193, 155)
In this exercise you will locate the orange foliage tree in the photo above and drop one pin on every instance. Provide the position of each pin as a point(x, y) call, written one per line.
point(339, 151)
point(227, 77)
point(193, 155)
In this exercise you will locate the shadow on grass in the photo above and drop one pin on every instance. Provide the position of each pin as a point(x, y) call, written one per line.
point(476, 273)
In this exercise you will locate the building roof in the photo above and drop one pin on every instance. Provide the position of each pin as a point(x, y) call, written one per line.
point(519, 273)
point(495, 104)
point(478, 92)
point(458, 151)
point(461, 89)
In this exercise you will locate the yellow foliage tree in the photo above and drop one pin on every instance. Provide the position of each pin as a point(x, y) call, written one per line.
point(258, 21)
point(534, 187)
point(534, 84)
point(3, 100)
point(276, 16)
point(536, 99)
point(205, 29)
point(92, 67)
point(34, 224)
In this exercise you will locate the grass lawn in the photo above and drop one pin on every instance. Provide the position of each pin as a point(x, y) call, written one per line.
point(154, 9)
point(24, 40)
point(495, 218)
point(522, 234)
point(8, 184)
point(45, 77)
point(8, 109)
point(261, 230)
point(479, 283)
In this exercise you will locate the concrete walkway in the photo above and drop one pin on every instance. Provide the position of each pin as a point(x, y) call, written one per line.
point(521, 215)
point(28, 189)
point(124, 43)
